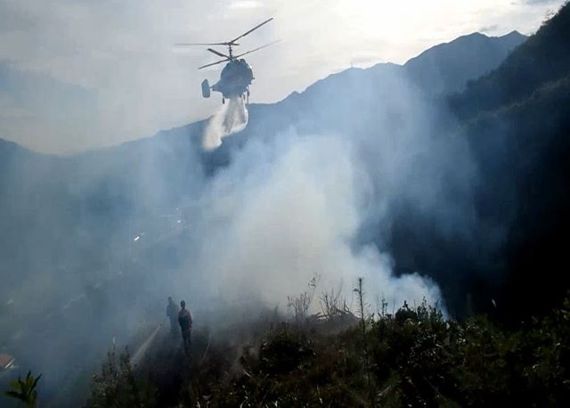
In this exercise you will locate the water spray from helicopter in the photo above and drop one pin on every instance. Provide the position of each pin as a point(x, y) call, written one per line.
point(229, 119)
point(235, 79)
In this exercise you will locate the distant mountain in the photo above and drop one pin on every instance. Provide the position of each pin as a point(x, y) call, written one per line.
point(442, 69)
point(447, 68)
point(541, 60)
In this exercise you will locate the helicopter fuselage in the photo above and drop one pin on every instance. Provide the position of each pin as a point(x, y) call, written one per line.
point(235, 79)
point(237, 75)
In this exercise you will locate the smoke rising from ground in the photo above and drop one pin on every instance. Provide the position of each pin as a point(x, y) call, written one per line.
point(230, 118)
point(290, 209)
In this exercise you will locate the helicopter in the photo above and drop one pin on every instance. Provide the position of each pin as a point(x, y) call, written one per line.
point(237, 75)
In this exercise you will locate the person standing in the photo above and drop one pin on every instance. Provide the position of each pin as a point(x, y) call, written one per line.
point(172, 313)
point(185, 321)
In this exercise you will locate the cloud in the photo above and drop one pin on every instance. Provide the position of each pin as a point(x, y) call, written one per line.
point(41, 109)
point(245, 4)
point(489, 29)
point(533, 2)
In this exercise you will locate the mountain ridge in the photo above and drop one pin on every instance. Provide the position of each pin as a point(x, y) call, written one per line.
point(543, 58)
point(505, 43)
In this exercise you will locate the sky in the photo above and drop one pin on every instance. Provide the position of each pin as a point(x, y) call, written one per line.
point(83, 74)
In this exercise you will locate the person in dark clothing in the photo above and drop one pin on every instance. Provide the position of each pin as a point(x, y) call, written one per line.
point(172, 313)
point(185, 321)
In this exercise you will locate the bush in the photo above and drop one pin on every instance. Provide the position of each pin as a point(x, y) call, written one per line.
point(414, 358)
point(117, 387)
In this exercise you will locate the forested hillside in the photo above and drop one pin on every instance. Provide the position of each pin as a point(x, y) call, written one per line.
point(517, 120)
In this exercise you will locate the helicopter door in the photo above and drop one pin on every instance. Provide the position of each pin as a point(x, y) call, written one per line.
point(205, 88)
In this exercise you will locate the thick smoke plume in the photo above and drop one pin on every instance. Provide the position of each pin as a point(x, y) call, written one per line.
point(288, 210)
point(230, 118)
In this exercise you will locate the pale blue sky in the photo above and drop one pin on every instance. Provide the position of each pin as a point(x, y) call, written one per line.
point(78, 74)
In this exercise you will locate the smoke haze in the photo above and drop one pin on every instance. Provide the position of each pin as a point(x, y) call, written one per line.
point(318, 185)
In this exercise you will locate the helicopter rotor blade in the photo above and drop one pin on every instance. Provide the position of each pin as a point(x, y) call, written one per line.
point(214, 63)
point(258, 48)
point(193, 44)
point(250, 31)
point(219, 54)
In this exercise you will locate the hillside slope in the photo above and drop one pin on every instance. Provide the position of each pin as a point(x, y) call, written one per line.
point(518, 124)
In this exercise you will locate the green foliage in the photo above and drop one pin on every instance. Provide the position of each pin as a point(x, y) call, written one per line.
point(294, 368)
point(25, 390)
point(415, 358)
point(116, 386)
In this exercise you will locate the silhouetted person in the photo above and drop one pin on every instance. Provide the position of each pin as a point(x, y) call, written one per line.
point(185, 321)
point(172, 313)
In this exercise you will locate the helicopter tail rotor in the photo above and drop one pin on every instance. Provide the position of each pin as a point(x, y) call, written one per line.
point(205, 88)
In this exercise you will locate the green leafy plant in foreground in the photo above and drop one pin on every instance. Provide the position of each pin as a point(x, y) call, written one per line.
point(25, 390)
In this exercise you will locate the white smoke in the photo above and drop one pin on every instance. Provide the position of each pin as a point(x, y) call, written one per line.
point(288, 210)
point(230, 118)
